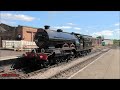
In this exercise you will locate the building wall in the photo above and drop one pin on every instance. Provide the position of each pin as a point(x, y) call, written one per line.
point(19, 32)
point(12, 33)
point(28, 33)
point(9, 34)
point(96, 42)
point(108, 42)
point(0, 41)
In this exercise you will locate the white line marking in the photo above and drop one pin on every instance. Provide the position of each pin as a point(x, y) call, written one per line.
point(9, 57)
point(87, 65)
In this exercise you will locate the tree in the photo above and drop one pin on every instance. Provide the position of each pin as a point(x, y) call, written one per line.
point(116, 42)
point(99, 37)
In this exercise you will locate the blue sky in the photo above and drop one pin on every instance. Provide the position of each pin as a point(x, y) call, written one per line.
point(95, 23)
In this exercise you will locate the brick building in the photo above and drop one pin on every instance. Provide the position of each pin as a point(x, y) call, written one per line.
point(26, 33)
point(16, 33)
point(96, 42)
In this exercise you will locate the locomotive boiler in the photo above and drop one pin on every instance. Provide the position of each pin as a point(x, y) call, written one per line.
point(46, 38)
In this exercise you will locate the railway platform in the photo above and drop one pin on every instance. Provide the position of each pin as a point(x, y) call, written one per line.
point(106, 66)
point(8, 59)
point(8, 56)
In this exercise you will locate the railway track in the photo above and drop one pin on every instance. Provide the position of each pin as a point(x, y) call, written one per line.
point(19, 74)
point(57, 70)
point(66, 74)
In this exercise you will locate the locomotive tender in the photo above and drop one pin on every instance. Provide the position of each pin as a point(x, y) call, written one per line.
point(56, 46)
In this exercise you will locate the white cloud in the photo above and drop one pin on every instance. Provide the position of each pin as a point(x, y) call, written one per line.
point(67, 27)
point(117, 24)
point(7, 22)
point(104, 33)
point(62, 27)
point(117, 31)
point(77, 28)
point(16, 17)
point(71, 24)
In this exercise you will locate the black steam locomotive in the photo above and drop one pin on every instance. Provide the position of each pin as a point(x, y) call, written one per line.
point(47, 39)
point(57, 46)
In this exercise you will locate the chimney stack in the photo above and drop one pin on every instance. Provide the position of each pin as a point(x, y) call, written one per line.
point(47, 27)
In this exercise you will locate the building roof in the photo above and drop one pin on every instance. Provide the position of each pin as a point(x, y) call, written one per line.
point(7, 27)
point(27, 26)
point(107, 39)
point(2, 29)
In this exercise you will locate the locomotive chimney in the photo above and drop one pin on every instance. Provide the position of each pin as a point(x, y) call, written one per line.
point(59, 30)
point(47, 27)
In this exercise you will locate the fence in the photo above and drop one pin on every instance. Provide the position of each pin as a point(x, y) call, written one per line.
point(18, 45)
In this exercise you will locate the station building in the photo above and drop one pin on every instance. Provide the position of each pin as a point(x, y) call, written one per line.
point(16, 33)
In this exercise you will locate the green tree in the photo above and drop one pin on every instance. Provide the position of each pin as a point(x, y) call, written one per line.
point(116, 42)
point(99, 37)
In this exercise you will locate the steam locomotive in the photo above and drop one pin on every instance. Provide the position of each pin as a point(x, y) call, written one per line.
point(57, 46)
